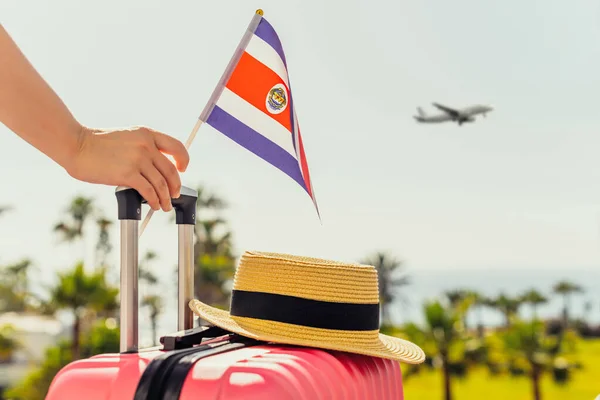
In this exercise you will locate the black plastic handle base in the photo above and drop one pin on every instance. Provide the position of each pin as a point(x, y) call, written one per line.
point(185, 206)
point(130, 202)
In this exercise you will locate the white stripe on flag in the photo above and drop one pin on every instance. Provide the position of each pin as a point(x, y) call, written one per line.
point(264, 53)
point(257, 120)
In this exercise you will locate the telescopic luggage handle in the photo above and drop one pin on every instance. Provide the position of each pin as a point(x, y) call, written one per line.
point(130, 213)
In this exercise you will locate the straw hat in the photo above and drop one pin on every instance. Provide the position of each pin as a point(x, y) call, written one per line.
point(308, 302)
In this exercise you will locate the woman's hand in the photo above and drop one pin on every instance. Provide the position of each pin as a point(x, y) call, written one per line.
point(131, 157)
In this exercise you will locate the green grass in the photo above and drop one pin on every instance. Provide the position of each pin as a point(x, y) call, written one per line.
point(478, 384)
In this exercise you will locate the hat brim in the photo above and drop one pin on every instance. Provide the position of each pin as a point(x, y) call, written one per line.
point(378, 345)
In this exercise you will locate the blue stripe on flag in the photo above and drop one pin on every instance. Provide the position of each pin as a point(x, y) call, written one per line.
point(266, 32)
point(256, 143)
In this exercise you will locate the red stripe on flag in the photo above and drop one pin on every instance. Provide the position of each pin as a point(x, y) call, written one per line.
point(252, 81)
point(304, 165)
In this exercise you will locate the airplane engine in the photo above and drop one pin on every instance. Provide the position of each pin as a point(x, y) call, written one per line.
point(467, 119)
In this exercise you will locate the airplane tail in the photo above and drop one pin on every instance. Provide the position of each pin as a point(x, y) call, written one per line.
point(421, 112)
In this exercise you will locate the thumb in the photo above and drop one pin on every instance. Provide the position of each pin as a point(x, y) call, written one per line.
point(174, 147)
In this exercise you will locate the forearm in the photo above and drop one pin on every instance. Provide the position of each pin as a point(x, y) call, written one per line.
point(31, 109)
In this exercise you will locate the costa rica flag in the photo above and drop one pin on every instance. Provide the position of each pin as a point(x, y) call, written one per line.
point(254, 107)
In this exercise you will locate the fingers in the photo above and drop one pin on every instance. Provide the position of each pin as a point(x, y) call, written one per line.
point(169, 172)
point(174, 147)
point(160, 176)
point(159, 185)
point(147, 191)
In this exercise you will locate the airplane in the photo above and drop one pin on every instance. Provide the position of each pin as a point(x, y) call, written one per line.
point(451, 114)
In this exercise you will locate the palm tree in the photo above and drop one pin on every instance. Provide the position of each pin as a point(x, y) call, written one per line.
point(78, 212)
point(508, 306)
point(457, 298)
point(566, 289)
point(478, 302)
point(103, 247)
point(78, 292)
point(14, 287)
point(534, 298)
point(210, 242)
point(155, 306)
point(528, 342)
point(386, 265)
point(206, 201)
point(441, 336)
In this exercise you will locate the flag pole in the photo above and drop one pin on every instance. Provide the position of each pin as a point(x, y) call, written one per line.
point(210, 105)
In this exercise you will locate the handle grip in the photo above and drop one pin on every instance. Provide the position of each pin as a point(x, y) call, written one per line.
point(129, 213)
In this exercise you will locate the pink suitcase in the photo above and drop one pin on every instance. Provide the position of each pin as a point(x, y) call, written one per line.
point(210, 363)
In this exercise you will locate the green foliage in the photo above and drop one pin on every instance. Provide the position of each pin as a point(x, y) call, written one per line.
point(103, 338)
point(214, 263)
point(36, 384)
point(534, 297)
point(8, 343)
point(508, 306)
point(453, 351)
point(216, 269)
point(213, 271)
point(77, 289)
point(480, 384)
point(567, 287)
point(528, 351)
point(444, 340)
point(14, 287)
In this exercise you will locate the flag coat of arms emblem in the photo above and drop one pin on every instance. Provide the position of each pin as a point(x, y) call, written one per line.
point(254, 107)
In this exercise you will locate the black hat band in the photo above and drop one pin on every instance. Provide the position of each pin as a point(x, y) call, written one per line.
point(305, 312)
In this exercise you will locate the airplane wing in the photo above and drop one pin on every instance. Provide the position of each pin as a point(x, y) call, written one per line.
point(448, 110)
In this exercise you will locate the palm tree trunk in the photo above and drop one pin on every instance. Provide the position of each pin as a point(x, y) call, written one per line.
point(446, 371)
point(535, 380)
point(566, 311)
point(75, 340)
point(507, 319)
point(153, 322)
point(479, 322)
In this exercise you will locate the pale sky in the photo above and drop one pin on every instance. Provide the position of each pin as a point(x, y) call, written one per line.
point(518, 189)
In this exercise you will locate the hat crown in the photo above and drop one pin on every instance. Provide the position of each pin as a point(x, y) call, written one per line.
point(306, 277)
point(308, 302)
